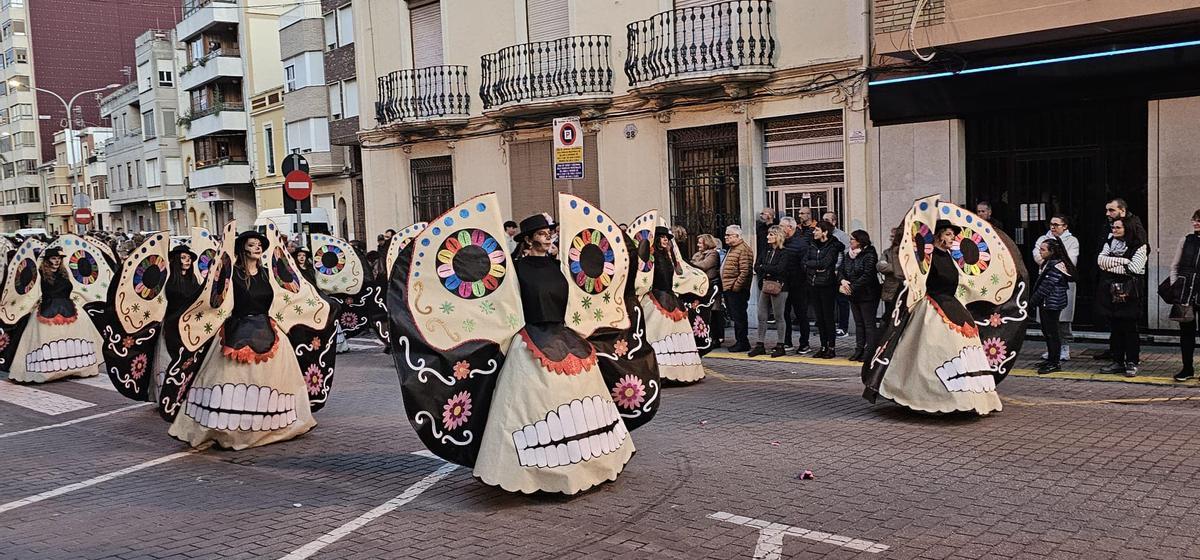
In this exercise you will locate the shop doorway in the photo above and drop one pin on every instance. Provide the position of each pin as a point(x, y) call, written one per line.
point(1071, 160)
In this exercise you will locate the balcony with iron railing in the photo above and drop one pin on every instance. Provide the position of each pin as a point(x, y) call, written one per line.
point(702, 47)
point(569, 73)
point(201, 15)
point(423, 97)
point(217, 64)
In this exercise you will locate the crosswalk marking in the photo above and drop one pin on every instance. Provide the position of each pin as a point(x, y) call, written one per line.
point(90, 482)
point(75, 421)
point(38, 400)
point(99, 381)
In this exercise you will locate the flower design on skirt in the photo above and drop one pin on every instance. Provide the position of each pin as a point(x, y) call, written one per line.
point(316, 343)
point(699, 327)
point(995, 350)
point(621, 347)
point(349, 320)
point(138, 367)
point(127, 342)
point(462, 369)
point(995, 320)
point(456, 411)
point(629, 392)
point(4, 340)
point(314, 379)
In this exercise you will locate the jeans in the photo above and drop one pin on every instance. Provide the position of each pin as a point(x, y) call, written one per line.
point(1051, 329)
point(797, 316)
point(768, 304)
point(824, 303)
point(1187, 341)
point(866, 326)
point(1125, 344)
point(735, 306)
point(843, 312)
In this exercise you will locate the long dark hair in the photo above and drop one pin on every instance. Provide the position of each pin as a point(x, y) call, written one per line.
point(1058, 252)
point(667, 253)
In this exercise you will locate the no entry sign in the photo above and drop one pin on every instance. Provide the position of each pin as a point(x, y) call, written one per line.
point(83, 216)
point(568, 149)
point(297, 185)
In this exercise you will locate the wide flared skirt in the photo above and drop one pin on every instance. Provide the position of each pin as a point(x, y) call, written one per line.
point(49, 351)
point(674, 343)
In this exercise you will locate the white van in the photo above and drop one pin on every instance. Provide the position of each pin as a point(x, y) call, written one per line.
point(316, 221)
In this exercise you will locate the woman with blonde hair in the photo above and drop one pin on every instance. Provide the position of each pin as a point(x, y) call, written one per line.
point(708, 259)
point(772, 269)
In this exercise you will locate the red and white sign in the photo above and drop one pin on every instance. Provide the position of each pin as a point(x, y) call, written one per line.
point(83, 216)
point(568, 149)
point(297, 185)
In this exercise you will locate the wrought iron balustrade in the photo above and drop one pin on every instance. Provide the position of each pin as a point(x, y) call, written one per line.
point(730, 35)
point(577, 65)
point(421, 93)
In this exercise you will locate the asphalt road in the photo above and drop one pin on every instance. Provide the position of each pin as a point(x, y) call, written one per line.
point(1069, 469)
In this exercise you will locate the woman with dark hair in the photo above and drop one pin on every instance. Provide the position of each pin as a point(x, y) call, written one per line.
point(1050, 298)
point(303, 258)
point(860, 283)
point(1121, 300)
point(822, 265)
point(1187, 267)
point(181, 290)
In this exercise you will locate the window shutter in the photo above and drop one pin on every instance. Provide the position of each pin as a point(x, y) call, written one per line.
point(547, 19)
point(426, 24)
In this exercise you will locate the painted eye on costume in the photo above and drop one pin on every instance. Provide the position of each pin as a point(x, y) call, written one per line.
point(645, 255)
point(83, 267)
point(204, 261)
point(284, 275)
point(971, 252)
point(148, 277)
point(26, 276)
point(591, 261)
point(330, 260)
point(471, 263)
point(922, 237)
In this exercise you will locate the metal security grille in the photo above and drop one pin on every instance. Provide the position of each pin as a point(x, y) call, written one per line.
point(805, 163)
point(704, 180)
point(432, 187)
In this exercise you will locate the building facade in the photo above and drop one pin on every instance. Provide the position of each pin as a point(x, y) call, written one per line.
point(342, 81)
point(707, 110)
point(1041, 108)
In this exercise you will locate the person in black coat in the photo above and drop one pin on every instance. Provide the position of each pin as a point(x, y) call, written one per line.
point(821, 266)
point(1050, 298)
point(1186, 266)
point(773, 268)
point(182, 284)
point(798, 238)
point(860, 284)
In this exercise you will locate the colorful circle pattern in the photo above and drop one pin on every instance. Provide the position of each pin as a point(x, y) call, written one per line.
point(645, 243)
point(922, 236)
point(592, 261)
point(971, 252)
point(204, 261)
point(471, 263)
point(149, 277)
point(83, 267)
point(330, 259)
point(285, 276)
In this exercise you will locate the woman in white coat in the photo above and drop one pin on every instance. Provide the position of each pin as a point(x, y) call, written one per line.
point(1060, 228)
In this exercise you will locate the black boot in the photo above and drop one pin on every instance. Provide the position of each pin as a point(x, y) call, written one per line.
point(759, 349)
point(857, 356)
point(778, 351)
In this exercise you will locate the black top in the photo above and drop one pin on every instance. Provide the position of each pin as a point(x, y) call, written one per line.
point(664, 271)
point(254, 299)
point(56, 297)
point(181, 290)
point(61, 288)
point(775, 264)
point(861, 272)
point(543, 289)
point(942, 285)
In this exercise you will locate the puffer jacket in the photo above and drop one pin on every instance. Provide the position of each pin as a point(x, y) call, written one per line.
point(823, 261)
point(860, 272)
point(774, 265)
point(709, 261)
point(1052, 283)
point(739, 264)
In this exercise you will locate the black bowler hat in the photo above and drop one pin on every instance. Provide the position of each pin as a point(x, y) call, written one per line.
point(242, 238)
point(945, 224)
point(52, 252)
point(180, 249)
point(534, 223)
point(663, 231)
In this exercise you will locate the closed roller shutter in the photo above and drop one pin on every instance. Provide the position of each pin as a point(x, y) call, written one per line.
point(547, 19)
point(532, 177)
point(426, 24)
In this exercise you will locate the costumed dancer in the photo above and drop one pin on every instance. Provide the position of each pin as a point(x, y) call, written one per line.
point(182, 287)
point(960, 319)
point(529, 412)
point(56, 344)
point(667, 322)
point(365, 308)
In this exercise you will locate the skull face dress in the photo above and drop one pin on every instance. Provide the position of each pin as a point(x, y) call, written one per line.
point(56, 344)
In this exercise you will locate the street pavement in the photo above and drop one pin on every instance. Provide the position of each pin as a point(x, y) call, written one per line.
point(1069, 469)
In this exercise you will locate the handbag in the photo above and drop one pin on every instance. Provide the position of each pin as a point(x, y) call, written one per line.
point(1172, 293)
point(772, 287)
point(1123, 291)
point(1182, 313)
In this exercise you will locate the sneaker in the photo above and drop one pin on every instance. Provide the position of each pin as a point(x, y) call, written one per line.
point(759, 349)
point(841, 333)
point(787, 345)
point(803, 349)
point(1115, 367)
point(1131, 370)
point(1045, 355)
point(1065, 355)
point(778, 351)
point(1049, 367)
point(1184, 375)
point(819, 354)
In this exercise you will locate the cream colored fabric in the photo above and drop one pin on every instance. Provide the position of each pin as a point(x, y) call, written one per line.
point(280, 412)
point(528, 400)
point(48, 352)
point(674, 345)
point(927, 344)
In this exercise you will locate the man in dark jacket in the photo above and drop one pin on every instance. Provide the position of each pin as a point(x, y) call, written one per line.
point(796, 245)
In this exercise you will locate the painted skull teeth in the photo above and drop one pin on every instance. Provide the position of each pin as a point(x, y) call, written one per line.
point(241, 407)
point(677, 349)
point(967, 372)
point(578, 431)
point(61, 355)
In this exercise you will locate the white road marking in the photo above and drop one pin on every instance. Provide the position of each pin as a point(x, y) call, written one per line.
point(38, 400)
point(409, 495)
point(98, 381)
point(90, 482)
point(75, 421)
point(770, 536)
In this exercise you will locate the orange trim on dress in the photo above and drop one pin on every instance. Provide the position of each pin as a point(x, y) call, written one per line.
point(246, 354)
point(677, 315)
point(57, 319)
point(966, 330)
point(571, 365)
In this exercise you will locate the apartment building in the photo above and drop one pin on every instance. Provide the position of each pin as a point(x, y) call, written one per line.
point(342, 80)
point(48, 54)
point(1042, 108)
point(707, 110)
